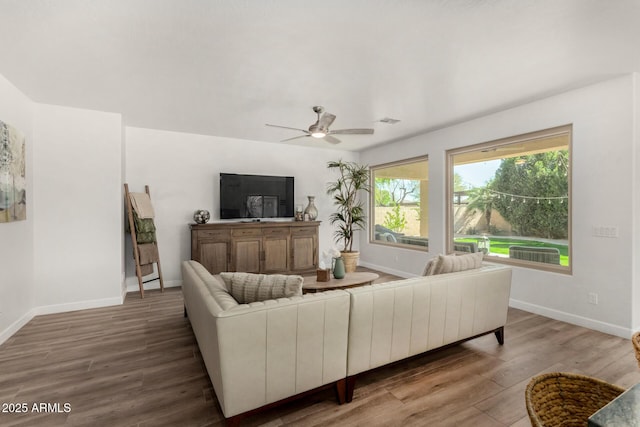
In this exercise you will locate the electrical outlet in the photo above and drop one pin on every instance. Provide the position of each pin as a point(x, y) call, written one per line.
point(604, 231)
point(593, 298)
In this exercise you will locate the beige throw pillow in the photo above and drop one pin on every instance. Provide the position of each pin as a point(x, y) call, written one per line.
point(453, 263)
point(248, 287)
point(430, 268)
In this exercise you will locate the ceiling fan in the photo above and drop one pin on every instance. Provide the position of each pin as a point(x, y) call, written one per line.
point(320, 129)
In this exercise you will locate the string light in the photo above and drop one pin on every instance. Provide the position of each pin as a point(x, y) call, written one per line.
point(517, 197)
point(514, 198)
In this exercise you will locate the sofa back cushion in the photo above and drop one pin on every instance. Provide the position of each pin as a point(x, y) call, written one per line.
point(395, 320)
point(249, 287)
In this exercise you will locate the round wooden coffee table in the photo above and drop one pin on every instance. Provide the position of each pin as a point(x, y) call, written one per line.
point(350, 280)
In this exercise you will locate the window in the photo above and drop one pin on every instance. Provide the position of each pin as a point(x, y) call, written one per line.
point(400, 204)
point(511, 199)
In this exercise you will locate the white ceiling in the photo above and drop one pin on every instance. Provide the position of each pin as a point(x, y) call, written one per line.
point(227, 67)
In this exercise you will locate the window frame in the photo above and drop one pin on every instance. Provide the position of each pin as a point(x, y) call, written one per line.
point(565, 130)
point(372, 203)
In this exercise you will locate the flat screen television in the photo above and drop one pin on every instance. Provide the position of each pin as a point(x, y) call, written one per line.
point(255, 196)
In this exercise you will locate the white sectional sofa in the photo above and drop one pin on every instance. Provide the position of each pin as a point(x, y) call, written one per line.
point(263, 353)
point(391, 321)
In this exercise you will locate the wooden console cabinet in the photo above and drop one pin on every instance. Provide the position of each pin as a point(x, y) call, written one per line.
point(256, 247)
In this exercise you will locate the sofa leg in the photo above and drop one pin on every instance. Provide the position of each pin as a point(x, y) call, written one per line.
point(500, 335)
point(185, 312)
point(351, 386)
point(233, 421)
point(341, 390)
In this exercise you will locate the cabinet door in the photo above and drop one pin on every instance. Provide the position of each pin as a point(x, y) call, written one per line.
point(276, 254)
point(303, 254)
point(246, 254)
point(214, 256)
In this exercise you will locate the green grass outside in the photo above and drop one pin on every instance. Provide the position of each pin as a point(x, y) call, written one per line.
point(500, 246)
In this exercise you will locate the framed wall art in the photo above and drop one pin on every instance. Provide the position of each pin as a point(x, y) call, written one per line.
point(13, 197)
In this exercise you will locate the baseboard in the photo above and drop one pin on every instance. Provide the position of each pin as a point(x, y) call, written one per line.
point(15, 326)
point(385, 269)
point(123, 293)
point(74, 306)
point(132, 284)
point(123, 286)
point(596, 325)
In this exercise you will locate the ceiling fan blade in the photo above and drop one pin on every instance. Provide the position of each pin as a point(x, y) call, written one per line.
point(295, 137)
point(351, 132)
point(326, 120)
point(331, 140)
point(286, 127)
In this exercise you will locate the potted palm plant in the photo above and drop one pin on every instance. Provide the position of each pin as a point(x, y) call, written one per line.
point(350, 215)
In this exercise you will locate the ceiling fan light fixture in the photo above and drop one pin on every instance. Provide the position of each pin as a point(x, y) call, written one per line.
point(316, 131)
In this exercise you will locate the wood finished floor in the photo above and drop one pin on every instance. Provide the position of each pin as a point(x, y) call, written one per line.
point(138, 365)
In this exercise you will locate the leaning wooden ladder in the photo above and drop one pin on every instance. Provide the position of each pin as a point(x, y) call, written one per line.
point(145, 252)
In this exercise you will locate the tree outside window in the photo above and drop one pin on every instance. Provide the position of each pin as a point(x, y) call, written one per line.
point(400, 204)
point(513, 197)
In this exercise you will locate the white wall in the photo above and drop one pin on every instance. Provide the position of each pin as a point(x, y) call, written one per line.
point(16, 238)
point(603, 191)
point(67, 255)
point(78, 208)
point(636, 205)
point(182, 171)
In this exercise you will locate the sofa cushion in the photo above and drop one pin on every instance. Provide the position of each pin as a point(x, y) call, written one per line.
point(453, 263)
point(248, 287)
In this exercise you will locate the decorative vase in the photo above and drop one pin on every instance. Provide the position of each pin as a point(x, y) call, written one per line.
point(338, 268)
point(201, 216)
point(311, 211)
point(350, 260)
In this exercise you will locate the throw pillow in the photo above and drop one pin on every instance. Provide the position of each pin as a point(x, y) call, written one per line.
point(453, 263)
point(430, 268)
point(248, 287)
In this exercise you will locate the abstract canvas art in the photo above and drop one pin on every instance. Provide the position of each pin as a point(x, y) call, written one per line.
point(13, 197)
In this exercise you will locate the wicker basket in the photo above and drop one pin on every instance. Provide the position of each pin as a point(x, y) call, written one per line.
point(635, 340)
point(565, 399)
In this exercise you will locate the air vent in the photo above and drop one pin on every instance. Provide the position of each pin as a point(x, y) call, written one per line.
point(389, 121)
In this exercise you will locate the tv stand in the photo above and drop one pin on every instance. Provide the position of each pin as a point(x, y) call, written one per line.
point(289, 247)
